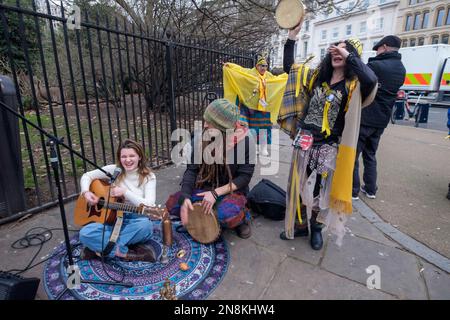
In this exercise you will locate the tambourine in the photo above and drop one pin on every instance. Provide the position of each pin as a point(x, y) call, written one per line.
point(203, 228)
point(289, 13)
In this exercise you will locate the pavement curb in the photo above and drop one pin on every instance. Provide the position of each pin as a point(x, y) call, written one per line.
point(406, 241)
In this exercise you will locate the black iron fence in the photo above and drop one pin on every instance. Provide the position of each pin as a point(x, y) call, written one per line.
point(98, 84)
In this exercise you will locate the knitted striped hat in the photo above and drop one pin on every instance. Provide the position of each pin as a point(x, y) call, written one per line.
point(222, 114)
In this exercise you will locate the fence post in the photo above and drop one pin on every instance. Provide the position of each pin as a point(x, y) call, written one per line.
point(170, 87)
point(12, 199)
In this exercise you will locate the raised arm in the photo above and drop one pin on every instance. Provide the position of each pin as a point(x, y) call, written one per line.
point(288, 53)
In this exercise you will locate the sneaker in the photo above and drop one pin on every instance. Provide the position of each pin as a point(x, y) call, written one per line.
point(368, 195)
point(243, 230)
point(355, 197)
point(263, 150)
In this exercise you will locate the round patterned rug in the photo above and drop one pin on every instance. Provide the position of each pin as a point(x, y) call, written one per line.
point(207, 267)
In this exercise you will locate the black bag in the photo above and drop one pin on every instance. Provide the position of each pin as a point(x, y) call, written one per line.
point(268, 199)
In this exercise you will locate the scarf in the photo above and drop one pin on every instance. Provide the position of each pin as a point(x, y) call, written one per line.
point(294, 104)
point(250, 87)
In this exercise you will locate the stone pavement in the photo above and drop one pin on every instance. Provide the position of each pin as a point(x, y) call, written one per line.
point(266, 267)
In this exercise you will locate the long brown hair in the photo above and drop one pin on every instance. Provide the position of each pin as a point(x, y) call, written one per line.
point(211, 173)
point(143, 169)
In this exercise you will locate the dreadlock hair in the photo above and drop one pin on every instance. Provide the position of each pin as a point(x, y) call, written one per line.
point(326, 68)
point(211, 173)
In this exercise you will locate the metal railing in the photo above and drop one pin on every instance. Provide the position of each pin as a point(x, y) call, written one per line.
point(99, 84)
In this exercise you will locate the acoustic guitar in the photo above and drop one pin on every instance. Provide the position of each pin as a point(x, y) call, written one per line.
point(106, 213)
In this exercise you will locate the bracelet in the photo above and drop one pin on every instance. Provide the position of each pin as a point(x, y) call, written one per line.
point(214, 193)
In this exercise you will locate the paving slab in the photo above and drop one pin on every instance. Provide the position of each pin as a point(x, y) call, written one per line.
point(399, 270)
point(359, 226)
point(437, 281)
point(296, 280)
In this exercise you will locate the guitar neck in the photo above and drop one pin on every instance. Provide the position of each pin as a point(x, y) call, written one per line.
point(120, 207)
point(154, 213)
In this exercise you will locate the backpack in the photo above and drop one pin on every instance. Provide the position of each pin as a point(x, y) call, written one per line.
point(268, 200)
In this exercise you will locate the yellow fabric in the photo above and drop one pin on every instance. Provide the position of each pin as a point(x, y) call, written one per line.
point(247, 85)
point(262, 88)
point(356, 43)
point(325, 123)
point(341, 187)
point(350, 87)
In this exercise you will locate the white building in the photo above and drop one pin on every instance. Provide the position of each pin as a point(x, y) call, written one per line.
point(368, 20)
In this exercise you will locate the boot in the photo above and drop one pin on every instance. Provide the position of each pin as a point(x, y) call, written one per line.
point(316, 232)
point(300, 230)
point(141, 252)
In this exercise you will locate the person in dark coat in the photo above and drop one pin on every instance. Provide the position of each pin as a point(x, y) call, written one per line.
point(390, 71)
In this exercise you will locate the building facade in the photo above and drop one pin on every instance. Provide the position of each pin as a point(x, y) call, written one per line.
point(368, 20)
point(423, 22)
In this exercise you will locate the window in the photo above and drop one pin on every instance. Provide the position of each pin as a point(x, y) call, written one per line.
point(426, 16)
point(324, 35)
point(420, 41)
point(322, 53)
point(440, 17)
point(444, 39)
point(307, 25)
point(363, 27)
point(416, 21)
point(404, 43)
point(412, 42)
point(379, 24)
point(335, 33)
point(305, 48)
point(447, 22)
point(434, 39)
point(351, 4)
point(348, 29)
point(412, 2)
point(382, 1)
point(408, 23)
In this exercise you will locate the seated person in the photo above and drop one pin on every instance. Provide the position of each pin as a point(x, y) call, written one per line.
point(220, 186)
point(136, 184)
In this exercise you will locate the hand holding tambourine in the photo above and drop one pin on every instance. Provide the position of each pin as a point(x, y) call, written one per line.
point(289, 14)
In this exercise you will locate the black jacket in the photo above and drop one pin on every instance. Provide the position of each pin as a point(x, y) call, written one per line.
point(391, 74)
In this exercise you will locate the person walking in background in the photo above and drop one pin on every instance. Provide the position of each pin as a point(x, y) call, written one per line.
point(390, 71)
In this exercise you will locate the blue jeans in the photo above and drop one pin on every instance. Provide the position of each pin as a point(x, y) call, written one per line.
point(135, 229)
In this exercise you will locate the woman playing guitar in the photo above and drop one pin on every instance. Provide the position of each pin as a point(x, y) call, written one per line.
point(136, 185)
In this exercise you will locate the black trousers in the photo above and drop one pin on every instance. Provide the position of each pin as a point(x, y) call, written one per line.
point(369, 138)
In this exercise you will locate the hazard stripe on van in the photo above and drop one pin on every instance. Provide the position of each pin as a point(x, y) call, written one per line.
point(418, 79)
point(445, 81)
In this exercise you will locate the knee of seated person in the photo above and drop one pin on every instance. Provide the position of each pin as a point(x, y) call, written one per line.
point(88, 231)
point(145, 226)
